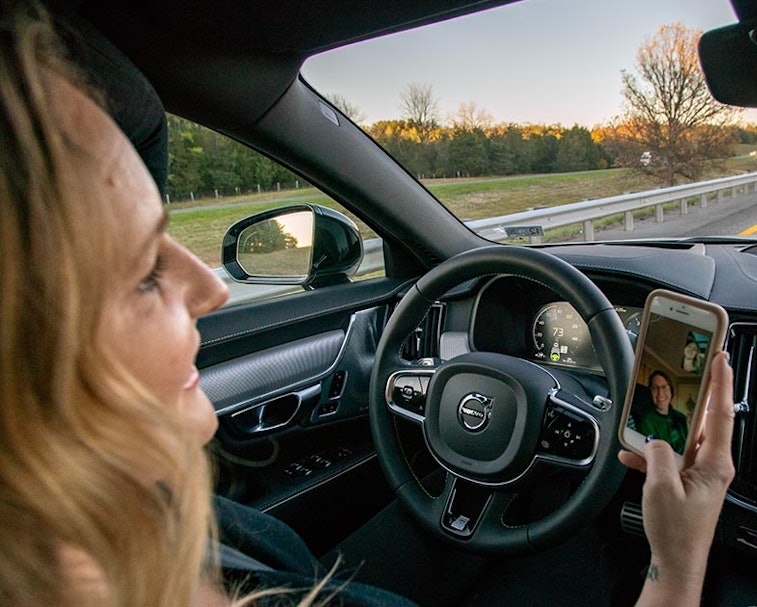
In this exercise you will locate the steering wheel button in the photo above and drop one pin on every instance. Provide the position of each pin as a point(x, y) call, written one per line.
point(565, 434)
point(409, 387)
point(409, 392)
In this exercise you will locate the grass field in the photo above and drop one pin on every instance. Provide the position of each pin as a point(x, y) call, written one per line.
point(200, 225)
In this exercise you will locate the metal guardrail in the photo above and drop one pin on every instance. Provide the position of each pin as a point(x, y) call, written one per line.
point(587, 212)
point(584, 213)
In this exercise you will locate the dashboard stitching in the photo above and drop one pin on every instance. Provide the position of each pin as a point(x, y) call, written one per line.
point(538, 282)
point(589, 266)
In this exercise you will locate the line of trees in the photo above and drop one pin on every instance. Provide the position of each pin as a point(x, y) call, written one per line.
point(202, 163)
point(668, 118)
point(463, 151)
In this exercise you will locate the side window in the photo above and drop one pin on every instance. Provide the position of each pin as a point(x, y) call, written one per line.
point(214, 181)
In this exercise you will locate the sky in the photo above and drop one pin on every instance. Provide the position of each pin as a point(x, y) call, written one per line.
point(537, 61)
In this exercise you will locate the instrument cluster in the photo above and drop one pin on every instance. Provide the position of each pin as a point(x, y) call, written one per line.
point(519, 317)
point(560, 336)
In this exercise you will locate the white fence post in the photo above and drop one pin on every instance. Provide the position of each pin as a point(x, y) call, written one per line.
point(588, 231)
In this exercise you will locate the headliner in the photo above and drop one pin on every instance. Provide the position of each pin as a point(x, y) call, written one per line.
point(286, 26)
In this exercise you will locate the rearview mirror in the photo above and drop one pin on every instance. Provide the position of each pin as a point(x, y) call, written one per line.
point(307, 245)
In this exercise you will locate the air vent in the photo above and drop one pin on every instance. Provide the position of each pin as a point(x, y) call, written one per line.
point(631, 520)
point(424, 341)
point(742, 347)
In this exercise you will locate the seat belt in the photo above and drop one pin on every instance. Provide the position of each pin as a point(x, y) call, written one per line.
point(233, 559)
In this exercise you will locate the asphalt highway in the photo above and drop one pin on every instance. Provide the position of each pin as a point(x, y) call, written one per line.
point(726, 218)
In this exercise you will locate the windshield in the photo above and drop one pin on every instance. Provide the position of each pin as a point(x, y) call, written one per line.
point(558, 121)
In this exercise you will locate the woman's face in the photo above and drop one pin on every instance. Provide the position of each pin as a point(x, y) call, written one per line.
point(661, 393)
point(691, 350)
point(150, 310)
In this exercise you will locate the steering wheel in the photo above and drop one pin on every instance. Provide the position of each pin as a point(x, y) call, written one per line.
point(496, 423)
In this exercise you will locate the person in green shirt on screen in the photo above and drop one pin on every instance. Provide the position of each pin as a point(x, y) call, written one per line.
point(663, 421)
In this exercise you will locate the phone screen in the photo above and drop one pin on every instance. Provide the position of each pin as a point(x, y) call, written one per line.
point(672, 356)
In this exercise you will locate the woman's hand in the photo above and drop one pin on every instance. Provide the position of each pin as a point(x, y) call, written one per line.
point(681, 508)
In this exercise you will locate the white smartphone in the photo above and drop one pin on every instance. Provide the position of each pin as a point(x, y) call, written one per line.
point(669, 389)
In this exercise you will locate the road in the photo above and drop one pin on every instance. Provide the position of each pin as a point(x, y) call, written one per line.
point(727, 218)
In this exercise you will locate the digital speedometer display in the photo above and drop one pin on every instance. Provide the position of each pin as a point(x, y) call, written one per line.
point(560, 336)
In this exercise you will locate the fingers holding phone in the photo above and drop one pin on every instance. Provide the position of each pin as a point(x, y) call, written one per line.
point(718, 430)
point(681, 508)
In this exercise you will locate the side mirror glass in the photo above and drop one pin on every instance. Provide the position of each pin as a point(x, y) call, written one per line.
point(278, 246)
point(307, 245)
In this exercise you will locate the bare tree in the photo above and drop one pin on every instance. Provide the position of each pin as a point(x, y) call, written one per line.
point(420, 108)
point(470, 117)
point(349, 109)
point(669, 111)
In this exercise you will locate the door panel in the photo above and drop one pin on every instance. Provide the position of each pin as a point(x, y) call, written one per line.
point(289, 380)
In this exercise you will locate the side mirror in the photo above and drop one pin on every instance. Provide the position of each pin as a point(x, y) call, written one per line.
point(308, 245)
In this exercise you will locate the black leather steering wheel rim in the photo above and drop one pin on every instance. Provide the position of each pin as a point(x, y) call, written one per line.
point(614, 352)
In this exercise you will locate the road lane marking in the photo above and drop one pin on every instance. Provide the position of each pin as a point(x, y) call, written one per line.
point(749, 231)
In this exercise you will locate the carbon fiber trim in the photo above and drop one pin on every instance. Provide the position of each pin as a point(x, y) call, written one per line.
point(255, 377)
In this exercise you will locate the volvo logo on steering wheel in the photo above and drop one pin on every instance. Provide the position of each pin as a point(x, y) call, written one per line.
point(474, 411)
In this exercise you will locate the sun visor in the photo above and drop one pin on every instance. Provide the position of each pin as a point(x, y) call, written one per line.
point(728, 56)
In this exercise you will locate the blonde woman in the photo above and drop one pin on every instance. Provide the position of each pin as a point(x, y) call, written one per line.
point(104, 484)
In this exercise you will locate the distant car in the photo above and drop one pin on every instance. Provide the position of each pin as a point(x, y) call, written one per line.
point(646, 159)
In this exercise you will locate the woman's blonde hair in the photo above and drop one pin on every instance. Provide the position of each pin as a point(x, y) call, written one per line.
point(76, 431)
point(79, 522)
